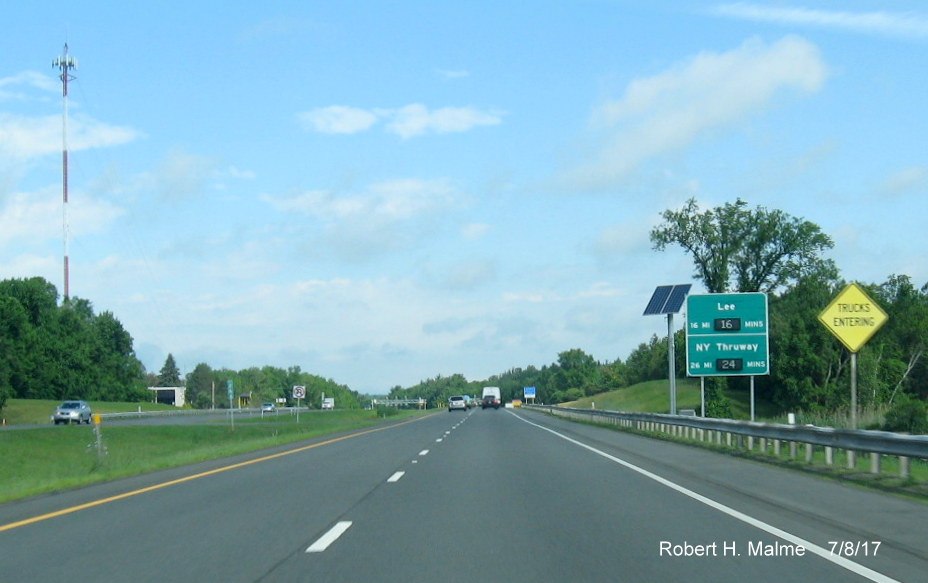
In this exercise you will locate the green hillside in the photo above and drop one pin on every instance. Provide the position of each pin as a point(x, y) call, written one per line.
point(654, 397)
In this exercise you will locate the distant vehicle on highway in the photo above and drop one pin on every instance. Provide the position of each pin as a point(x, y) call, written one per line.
point(457, 402)
point(268, 408)
point(491, 398)
point(72, 412)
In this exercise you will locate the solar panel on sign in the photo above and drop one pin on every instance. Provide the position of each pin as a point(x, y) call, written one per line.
point(676, 299)
point(658, 299)
point(667, 299)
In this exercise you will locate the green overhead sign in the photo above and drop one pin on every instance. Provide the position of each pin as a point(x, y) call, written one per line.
point(727, 335)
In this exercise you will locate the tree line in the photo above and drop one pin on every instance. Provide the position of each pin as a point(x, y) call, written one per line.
point(67, 351)
point(52, 351)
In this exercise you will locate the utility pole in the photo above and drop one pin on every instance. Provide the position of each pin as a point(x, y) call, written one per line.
point(65, 64)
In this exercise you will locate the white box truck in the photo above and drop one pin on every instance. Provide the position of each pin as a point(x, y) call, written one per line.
point(490, 398)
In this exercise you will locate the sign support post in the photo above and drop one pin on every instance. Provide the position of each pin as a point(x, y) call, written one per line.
point(299, 391)
point(667, 299)
point(853, 318)
point(231, 405)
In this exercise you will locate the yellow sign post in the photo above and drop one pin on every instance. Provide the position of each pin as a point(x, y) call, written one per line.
point(853, 318)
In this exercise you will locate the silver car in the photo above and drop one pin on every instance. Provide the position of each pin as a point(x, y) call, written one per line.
point(72, 412)
point(457, 402)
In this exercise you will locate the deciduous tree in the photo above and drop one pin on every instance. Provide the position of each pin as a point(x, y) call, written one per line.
point(760, 249)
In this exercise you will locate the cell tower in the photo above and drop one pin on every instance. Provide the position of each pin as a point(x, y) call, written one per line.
point(65, 64)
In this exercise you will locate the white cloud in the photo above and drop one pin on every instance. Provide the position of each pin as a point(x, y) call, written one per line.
point(407, 121)
point(668, 111)
point(391, 200)
point(416, 120)
point(386, 216)
point(470, 274)
point(338, 119)
point(9, 85)
point(473, 231)
point(181, 175)
point(37, 216)
point(883, 23)
point(23, 137)
point(906, 180)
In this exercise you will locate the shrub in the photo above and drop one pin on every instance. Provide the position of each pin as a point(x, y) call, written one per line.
point(908, 415)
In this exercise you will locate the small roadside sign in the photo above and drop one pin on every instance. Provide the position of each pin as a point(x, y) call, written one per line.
point(299, 392)
point(853, 317)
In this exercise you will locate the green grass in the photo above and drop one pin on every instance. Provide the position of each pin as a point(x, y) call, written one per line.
point(654, 397)
point(48, 459)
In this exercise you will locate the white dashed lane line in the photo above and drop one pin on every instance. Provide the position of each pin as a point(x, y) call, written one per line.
point(329, 537)
point(396, 477)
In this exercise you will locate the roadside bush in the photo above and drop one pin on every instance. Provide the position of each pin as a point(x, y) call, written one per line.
point(383, 411)
point(718, 405)
point(908, 415)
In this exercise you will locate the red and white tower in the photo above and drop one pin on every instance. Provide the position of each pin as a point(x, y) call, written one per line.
point(65, 64)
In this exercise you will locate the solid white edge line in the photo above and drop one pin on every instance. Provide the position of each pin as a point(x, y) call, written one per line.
point(396, 477)
point(811, 547)
point(329, 537)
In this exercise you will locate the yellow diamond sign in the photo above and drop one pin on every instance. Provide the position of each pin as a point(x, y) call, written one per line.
point(853, 317)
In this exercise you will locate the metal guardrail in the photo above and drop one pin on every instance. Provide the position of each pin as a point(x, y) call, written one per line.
point(183, 412)
point(398, 402)
point(876, 443)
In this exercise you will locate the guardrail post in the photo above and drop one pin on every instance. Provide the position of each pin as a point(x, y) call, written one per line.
point(792, 449)
point(763, 445)
point(750, 443)
point(875, 460)
point(829, 455)
point(851, 459)
point(903, 467)
point(809, 448)
point(776, 447)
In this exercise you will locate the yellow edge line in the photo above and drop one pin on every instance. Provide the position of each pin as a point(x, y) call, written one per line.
point(131, 493)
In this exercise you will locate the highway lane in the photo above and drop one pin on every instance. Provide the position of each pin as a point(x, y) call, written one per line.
point(478, 496)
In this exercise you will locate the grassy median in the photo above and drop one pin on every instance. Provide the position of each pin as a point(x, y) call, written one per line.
point(48, 459)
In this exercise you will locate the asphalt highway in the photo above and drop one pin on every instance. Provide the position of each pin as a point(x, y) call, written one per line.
point(477, 496)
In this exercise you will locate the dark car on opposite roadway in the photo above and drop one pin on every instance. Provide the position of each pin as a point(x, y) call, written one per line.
point(457, 402)
point(72, 412)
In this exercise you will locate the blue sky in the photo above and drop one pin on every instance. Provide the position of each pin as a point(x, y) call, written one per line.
point(381, 192)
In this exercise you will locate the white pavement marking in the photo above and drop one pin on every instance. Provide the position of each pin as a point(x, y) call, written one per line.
point(424, 452)
point(395, 477)
point(329, 537)
point(809, 546)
